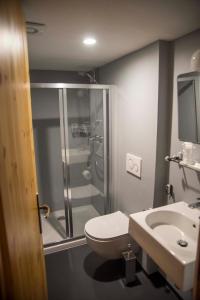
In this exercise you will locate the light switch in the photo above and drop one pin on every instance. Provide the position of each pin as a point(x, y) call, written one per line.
point(134, 164)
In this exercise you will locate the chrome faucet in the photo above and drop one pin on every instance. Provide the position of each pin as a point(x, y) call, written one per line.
point(195, 204)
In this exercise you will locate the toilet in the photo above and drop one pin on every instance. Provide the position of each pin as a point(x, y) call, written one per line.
point(108, 235)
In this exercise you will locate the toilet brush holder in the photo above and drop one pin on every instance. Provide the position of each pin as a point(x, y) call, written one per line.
point(130, 265)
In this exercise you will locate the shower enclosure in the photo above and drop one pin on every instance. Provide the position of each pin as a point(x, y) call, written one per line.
point(70, 124)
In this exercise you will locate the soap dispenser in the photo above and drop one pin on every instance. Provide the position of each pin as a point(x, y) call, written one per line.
point(188, 153)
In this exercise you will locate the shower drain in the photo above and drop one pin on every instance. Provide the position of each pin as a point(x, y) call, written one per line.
point(182, 243)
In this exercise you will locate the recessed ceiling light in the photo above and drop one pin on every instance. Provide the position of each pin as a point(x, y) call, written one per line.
point(34, 27)
point(89, 41)
point(31, 30)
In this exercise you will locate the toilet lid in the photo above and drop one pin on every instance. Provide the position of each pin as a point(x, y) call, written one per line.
point(108, 226)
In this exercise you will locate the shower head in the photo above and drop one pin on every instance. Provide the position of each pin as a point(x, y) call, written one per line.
point(89, 75)
point(81, 73)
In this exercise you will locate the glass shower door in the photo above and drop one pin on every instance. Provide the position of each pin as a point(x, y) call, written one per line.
point(49, 149)
point(71, 144)
point(86, 134)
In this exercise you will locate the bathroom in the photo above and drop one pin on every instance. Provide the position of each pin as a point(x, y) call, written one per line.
point(117, 151)
point(126, 106)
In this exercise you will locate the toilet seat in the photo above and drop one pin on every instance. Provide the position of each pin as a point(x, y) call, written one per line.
point(107, 227)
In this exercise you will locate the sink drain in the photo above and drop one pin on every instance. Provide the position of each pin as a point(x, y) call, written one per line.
point(182, 243)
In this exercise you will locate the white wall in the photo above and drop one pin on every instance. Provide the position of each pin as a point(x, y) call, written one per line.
point(186, 182)
point(135, 126)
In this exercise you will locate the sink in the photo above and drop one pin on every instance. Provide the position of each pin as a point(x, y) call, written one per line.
point(176, 230)
point(169, 235)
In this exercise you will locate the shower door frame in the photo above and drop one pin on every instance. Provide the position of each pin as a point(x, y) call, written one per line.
point(62, 96)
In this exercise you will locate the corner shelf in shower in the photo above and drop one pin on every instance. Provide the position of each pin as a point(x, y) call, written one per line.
point(77, 156)
point(84, 191)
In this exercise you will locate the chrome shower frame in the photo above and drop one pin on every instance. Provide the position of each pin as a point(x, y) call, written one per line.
point(62, 94)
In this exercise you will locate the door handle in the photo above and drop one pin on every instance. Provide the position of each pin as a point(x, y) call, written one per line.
point(38, 210)
point(46, 208)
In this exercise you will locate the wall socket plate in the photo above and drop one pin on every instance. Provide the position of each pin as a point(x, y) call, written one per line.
point(134, 164)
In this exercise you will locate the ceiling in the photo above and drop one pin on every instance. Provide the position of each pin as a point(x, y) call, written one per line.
point(120, 27)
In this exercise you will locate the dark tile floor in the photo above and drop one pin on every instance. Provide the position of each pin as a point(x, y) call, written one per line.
point(79, 274)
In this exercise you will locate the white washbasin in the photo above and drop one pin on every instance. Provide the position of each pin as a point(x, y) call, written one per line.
point(174, 227)
point(169, 235)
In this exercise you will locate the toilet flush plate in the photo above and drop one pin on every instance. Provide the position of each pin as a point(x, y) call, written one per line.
point(133, 164)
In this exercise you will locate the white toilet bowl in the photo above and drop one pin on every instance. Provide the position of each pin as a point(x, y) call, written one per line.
point(108, 235)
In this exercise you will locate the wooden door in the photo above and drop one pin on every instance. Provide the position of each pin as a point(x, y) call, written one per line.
point(22, 272)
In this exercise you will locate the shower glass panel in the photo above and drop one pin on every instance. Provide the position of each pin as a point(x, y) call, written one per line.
point(70, 125)
point(47, 139)
point(86, 157)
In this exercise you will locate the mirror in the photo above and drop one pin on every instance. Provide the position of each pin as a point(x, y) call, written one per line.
point(188, 86)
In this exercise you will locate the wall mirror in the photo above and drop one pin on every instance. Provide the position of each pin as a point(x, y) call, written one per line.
point(188, 87)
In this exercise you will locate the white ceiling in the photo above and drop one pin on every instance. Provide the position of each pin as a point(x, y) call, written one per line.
point(120, 27)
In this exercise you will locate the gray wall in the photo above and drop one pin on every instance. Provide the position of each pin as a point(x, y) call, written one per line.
point(44, 76)
point(163, 121)
point(135, 126)
point(186, 182)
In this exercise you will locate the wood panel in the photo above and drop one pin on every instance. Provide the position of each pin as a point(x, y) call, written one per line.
point(22, 271)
